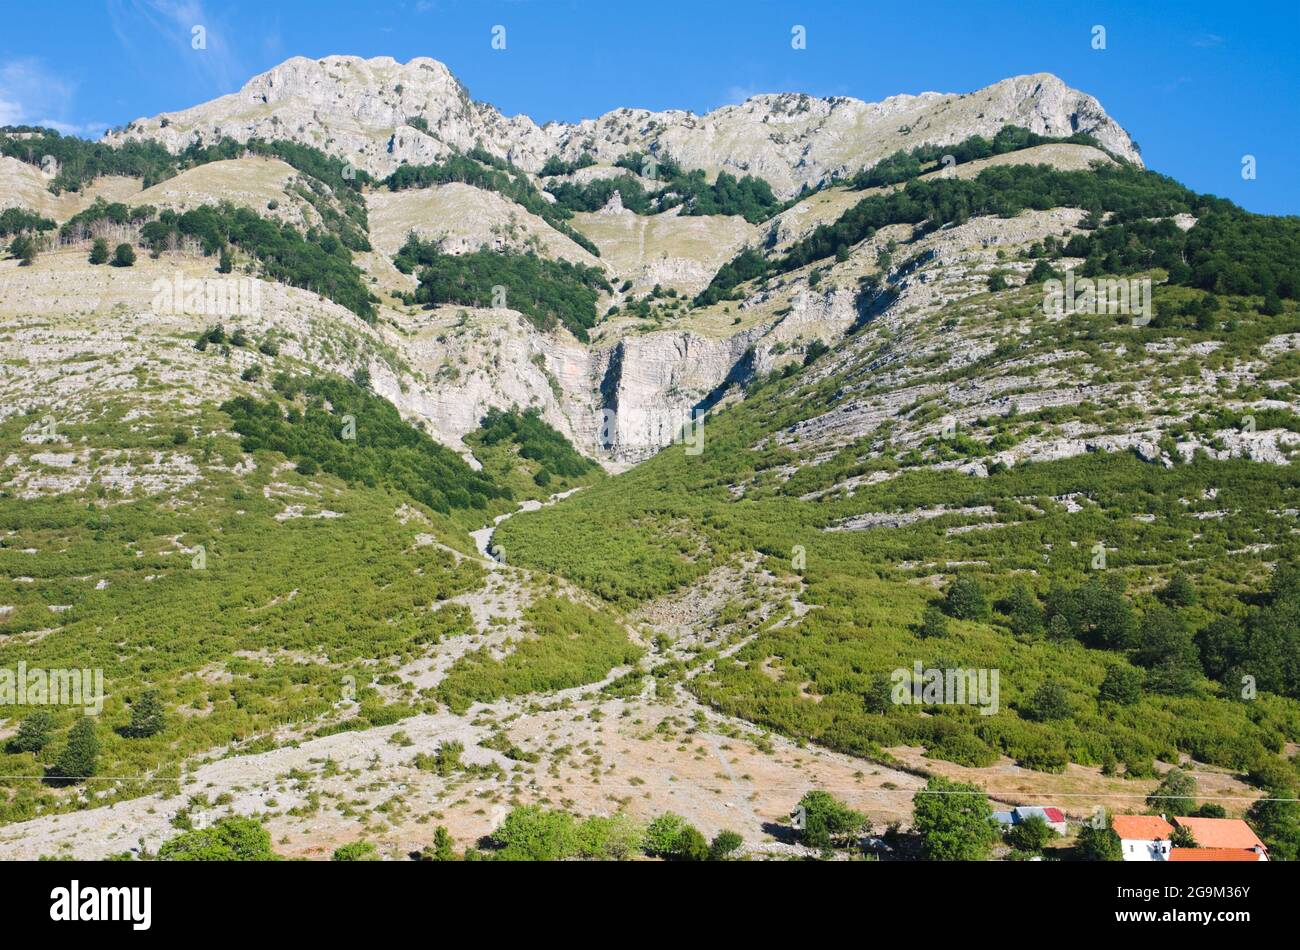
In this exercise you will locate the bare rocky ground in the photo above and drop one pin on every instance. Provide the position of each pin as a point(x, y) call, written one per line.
point(597, 757)
point(943, 321)
point(447, 366)
point(669, 249)
point(463, 218)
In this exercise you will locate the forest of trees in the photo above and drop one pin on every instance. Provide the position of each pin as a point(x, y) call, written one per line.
point(906, 165)
point(81, 162)
point(114, 212)
point(319, 263)
point(1264, 645)
point(18, 221)
point(558, 166)
point(1228, 251)
point(749, 197)
point(535, 441)
point(594, 195)
point(548, 292)
point(345, 182)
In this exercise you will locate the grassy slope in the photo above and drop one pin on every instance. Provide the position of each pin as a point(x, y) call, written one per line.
point(262, 635)
point(669, 521)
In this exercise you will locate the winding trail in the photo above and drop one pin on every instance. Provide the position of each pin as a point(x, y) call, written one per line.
point(483, 536)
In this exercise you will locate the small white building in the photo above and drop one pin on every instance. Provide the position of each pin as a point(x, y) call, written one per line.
point(1143, 837)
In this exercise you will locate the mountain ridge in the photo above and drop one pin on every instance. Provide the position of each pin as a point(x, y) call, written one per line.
point(358, 109)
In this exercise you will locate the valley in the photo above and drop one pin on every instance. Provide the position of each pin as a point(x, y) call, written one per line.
point(411, 547)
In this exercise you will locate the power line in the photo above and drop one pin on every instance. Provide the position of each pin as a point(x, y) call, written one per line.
point(673, 786)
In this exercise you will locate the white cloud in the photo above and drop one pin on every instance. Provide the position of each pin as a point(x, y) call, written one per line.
point(11, 113)
point(30, 94)
point(92, 130)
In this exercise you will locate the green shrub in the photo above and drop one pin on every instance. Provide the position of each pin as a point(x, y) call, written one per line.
point(80, 757)
point(230, 839)
point(356, 851)
point(965, 599)
point(954, 821)
point(34, 732)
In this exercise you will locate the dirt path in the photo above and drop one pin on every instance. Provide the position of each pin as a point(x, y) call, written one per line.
point(483, 536)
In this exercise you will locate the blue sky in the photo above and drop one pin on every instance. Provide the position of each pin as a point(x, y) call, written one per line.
point(1198, 84)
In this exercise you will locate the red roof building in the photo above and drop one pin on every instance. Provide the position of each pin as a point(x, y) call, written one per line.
point(1141, 827)
point(1216, 854)
point(1221, 833)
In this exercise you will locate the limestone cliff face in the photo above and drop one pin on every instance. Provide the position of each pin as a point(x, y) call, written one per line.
point(652, 384)
point(620, 401)
point(361, 109)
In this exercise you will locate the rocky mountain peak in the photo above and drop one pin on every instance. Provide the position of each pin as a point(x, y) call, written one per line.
point(379, 114)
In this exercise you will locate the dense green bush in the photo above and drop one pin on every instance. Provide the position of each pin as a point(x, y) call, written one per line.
point(356, 851)
point(230, 839)
point(533, 833)
point(1098, 843)
point(34, 732)
point(671, 837)
point(147, 716)
point(954, 821)
point(1030, 835)
point(386, 449)
point(965, 599)
point(80, 756)
point(827, 821)
point(18, 221)
point(572, 645)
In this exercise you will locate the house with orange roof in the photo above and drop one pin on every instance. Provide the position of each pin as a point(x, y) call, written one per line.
point(1217, 854)
point(1143, 837)
point(1223, 834)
